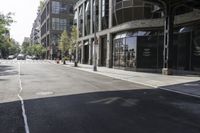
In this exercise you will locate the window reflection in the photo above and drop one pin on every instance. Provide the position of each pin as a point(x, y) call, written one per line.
point(59, 24)
point(128, 10)
point(130, 51)
point(87, 18)
point(55, 7)
point(125, 51)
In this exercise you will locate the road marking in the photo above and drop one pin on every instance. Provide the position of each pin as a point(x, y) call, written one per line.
point(22, 101)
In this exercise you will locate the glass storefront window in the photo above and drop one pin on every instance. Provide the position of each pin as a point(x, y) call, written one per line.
point(125, 51)
point(144, 49)
point(196, 50)
point(119, 56)
point(130, 52)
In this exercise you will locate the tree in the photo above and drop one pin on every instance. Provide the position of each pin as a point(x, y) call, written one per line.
point(73, 43)
point(39, 50)
point(64, 44)
point(26, 48)
point(36, 50)
point(42, 2)
point(5, 21)
point(14, 47)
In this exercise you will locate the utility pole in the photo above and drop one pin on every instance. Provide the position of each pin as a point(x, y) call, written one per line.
point(95, 38)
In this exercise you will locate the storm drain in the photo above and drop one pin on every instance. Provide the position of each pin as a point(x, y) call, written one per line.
point(45, 93)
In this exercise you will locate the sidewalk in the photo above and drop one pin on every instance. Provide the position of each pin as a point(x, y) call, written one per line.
point(188, 85)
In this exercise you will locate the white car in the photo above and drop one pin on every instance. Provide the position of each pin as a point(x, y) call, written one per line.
point(10, 57)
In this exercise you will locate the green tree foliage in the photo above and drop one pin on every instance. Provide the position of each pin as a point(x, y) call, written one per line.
point(64, 43)
point(73, 43)
point(74, 37)
point(42, 2)
point(14, 47)
point(36, 50)
point(5, 21)
point(25, 46)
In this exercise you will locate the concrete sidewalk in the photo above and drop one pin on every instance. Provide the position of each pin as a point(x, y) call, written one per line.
point(188, 85)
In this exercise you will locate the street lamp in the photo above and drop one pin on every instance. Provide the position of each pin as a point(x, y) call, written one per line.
point(76, 59)
point(95, 38)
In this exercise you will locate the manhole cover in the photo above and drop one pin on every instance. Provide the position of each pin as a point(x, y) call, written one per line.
point(45, 93)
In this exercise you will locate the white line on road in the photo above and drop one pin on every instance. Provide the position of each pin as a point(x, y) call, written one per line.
point(22, 101)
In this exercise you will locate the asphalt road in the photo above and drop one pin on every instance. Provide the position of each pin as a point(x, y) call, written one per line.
point(59, 99)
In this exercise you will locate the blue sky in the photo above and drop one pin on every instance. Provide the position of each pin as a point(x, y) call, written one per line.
point(25, 13)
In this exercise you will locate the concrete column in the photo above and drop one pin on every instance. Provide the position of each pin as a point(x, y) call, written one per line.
point(91, 16)
point(82, 53)
point(110, 18)
point(77, 22)
point(90, 52)
point(99, 52)
point(109, 51)
point(83, 19)
point(100, 14)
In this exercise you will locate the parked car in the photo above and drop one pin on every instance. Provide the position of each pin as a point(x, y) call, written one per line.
point(28, 57)
point(21, 57)
point(35, 57)
point(10, 57)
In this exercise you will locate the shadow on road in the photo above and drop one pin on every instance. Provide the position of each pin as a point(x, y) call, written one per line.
point(7, 70)
point(127, 111)
point(136, 111)
point(11, 120)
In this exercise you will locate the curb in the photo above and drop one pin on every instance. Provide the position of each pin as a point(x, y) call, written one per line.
point(140, 83)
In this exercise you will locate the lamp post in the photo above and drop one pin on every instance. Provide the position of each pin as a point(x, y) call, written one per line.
point(76, 59)
point(95, 38)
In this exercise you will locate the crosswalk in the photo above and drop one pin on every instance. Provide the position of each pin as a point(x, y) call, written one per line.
point(25, 62)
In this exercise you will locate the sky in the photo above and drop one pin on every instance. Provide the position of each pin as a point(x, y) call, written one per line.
point(25, 13)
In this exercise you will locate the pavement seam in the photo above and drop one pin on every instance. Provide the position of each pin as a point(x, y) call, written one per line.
point(22, 102)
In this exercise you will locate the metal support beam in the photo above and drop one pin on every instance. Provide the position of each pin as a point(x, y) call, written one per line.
point(95, 38)
point(168, 41)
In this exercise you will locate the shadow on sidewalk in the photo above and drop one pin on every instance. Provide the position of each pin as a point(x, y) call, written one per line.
point(191, 88)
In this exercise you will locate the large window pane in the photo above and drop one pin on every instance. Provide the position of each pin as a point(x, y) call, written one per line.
point(59, 24)
point(196, 51)
point(147, 52)
point(130, 52)
point(55, 7)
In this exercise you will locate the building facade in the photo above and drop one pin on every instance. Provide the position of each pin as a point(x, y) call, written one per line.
point(27, 40)
point(55, 16)
point(35, 32)
point(131, 35)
